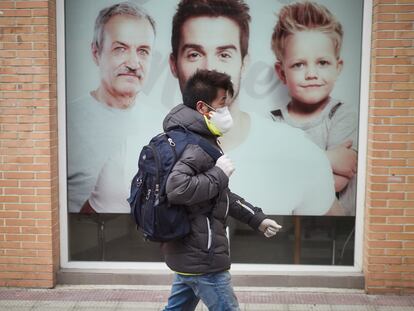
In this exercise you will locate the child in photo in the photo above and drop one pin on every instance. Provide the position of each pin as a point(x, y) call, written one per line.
point(307, 42)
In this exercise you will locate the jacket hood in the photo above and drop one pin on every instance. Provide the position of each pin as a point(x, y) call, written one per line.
point(187, 117)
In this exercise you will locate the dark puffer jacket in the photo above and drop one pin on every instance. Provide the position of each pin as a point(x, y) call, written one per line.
point(202, 187)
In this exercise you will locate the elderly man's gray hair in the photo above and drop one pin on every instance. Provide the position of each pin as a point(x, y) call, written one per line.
point(122, 8)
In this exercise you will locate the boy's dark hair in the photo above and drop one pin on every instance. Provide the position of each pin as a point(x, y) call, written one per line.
point(236, 10)
point(203, 85)
point(305, 16)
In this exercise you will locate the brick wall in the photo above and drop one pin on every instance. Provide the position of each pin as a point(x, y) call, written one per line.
point(389, 222)
point(29, 231)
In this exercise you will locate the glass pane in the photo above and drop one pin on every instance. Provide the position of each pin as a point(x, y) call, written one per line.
point(109, 237)
point(304, 240)
point(282, 169)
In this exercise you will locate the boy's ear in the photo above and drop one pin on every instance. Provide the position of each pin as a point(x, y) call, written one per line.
point(200, 107)
point(173, 65)
point(280, 72)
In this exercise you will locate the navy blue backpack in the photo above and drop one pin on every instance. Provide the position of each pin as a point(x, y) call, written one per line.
point(159, 220)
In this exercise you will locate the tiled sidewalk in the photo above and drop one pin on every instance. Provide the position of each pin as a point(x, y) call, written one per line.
point(151, 298)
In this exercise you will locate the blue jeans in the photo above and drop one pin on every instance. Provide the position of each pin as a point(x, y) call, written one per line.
point(214, 289)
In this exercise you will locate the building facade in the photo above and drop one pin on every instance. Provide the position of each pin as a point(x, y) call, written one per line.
point(34, 230)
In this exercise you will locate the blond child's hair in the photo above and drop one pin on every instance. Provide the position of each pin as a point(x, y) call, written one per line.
point(305, 16)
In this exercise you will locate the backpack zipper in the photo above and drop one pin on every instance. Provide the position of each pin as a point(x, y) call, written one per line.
point(157, 176)
point(172, 144)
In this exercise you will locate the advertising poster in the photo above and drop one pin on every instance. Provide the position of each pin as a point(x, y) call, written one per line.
point(294, 141)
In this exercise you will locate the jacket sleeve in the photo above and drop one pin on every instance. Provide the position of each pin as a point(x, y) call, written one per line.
point(245, 212)
point(193, 180)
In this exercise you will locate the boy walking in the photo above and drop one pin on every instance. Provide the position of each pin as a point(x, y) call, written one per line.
point(307, 42)
point(201, 259)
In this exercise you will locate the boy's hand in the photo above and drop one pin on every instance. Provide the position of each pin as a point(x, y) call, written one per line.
point(269, 227)
point(226, 165)
point(343, 159)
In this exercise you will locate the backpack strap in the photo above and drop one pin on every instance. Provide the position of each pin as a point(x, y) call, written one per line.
point(196, 139)
point(213, 152)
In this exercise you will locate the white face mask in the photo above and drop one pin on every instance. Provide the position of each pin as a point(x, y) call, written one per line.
point(222, 119)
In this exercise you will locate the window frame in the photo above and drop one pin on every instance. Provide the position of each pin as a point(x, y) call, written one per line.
point(238, 268)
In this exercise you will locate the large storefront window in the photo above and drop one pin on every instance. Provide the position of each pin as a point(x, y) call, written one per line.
point(296, 71)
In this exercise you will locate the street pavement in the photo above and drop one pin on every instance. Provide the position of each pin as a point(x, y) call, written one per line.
point(153, 298)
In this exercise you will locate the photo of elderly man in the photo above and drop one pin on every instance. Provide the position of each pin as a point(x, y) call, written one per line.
point(103, 124)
